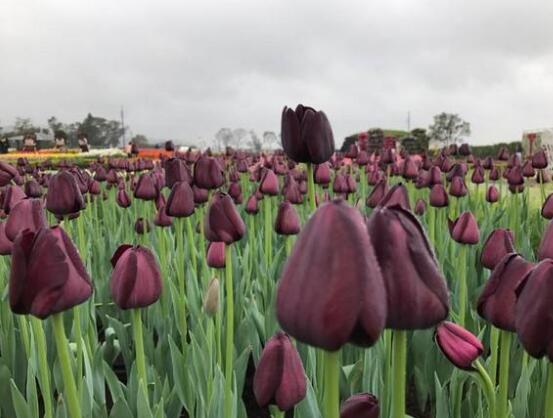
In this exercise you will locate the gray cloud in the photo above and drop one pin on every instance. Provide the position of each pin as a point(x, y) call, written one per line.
point(184, 69)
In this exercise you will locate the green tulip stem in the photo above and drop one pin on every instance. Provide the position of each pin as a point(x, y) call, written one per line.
point(268, 230)
point(62, 347)
point(289, 243)
point(78, 336)
point(542, 189)
point(462, 283)
point(504, 359)
point(278, 413)
point(24, 333)
point(191, 244)
point(549, 392)
point(431, 211)
point(494, 348)
point(311, 187)
point(399, 341)
point(43, 367)
point(331, 374)
point(229, 351)
point(139, 348)
point(179, 231)
point(487, 386)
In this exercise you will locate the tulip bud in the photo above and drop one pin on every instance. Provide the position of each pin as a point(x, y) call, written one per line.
point(545, 249)
point(26, 214)
point(533, 320)
point(136, 279)
point(181, 200)
point(322, 174)
point(410, 169)
point(460, 346)
point(438, 196)
point(200, 195)
point(11, 196)
point(123, 199)
point(142, 226)
point(496, 304)
point(499, 243)
point(464, 229)
point(528, 170)
point(64, 196)
point(458, 187)
point(216, 254)
point(269, 183)
point(492, 194)
point(208, 174)
point(162, 219)
point(287, 220)
point(464, 150)
point(362, 405)
point(539, 159)
point(279, 377)
point(420, 207)
point(252, 207)
point(222, 221)
point(319, 281)
point(377, 194)
point(478, 175)
point(176, 170)
point(547, 208)
point(7, 173)
point(417, 295)
point(47, 274)
point(33, 189)
point(306, 135)
point(211, 301)
point(146, 188)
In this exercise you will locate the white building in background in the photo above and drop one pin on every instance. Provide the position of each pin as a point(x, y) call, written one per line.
point(534, 139)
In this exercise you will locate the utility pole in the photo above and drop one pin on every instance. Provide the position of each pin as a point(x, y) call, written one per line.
point(408, 121)
point(123, 139)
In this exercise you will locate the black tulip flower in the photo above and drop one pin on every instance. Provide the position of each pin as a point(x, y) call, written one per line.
point(279, 377)
point(457, 187)
point(323, 298)
point(7, 173)
point(136, 278)
point(377, 194)
point(416, 292)
point(464, 229)
point(47, 274)
point(287, 220)
point(222, 221)
point(306, 135)
point(123, 199)
point(216, 255)
point(496, 303)
point(64, 196)
point(460, 346)
point(420, 207)
point(200, 195)
point(464, 150)
point(498, 244)
point(146, 188)
point(33, 189)
point(492, 194)
point(252, 206)
point(269, 183)
point(547, 208)
point(410, 169)
point(142, 226)
point(5, 243)
point(11, 196)
point(396, 196)
point(208, 173)
point(162, 219)
point(176, 170)
point(539, 159)
point(322, 174)
point(26, 214)
point(438, 196)
point(362, 405)
point(180, 202)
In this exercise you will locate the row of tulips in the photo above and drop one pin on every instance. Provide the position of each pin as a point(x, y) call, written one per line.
point(242, 284)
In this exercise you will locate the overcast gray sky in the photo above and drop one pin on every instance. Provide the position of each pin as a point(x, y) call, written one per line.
point(185, 69)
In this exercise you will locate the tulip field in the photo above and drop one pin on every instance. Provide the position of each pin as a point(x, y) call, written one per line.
point(304, 282)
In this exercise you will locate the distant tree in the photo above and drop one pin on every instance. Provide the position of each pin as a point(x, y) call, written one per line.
point(101, 131)
point(24, 125)
point(55, 124)
point(422, 138)
point(140, 140)
point(270, 140)
point(448, 128)
point(224, 138)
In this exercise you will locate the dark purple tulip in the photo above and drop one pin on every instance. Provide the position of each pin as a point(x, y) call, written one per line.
point(319, 281)
point(352, 151)
point(496, 303)
point(478, 175)
point(123, 199)
point(460, 346)
point(438, 196)
point(494, 174)
point(362, 405)
point(420, 207)
point(12, 195)
point(306, 135)
point(464, 150)
point(527, 169)
point(94, 188)
point(269, 183)
point(180, 202)
point(146, 188)
point(503, 154)
point(222, 221)
point(377, 194)
point(464, 229)
point(539, 159)
point(252, 206)
point(396, 196)
point(100, 173)
point(176, 170)
point(7, 173)
point(545, 249)
point(200, 195)
point(216, 255)
point(293, 194)
point(410, 169)
point(136, 279)
point(208, 173)
point(64, 196)
point(362, 158)
point(499, 243)
point(162, 219)
point(26, 214)
point(340, 184)
point(492, 194)
point(279, 377)
point(235, 191)
point(416, 292)
point(287, 220)
point(5, 243)
point(322, 174)
point(47, 274)
point(32, 188)
point(514, 176)
point(142, 226)
point(547, 208)
point(457, 187)
point(533, 319)
point(435, 176)
point(112, 177)
point(488, 163)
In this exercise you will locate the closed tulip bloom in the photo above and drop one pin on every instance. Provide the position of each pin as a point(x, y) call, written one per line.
point(416, 292)
point(200, 195)
point(176, 170)
point(322, 174)
point(235, 191)
point(340, 184)
point(499, 243)
point(362, 158)
point(293, 194)
point(545, 249)
point(7, 173)
point(208, 174)
point(435, 176)
point(528, 170)
point(410, 169)
point(319, 282)
point(180, 202)
point(123, 199)
point(464, 150)
point(503, 154)
point(146, 188)
point(222, 221)
point(269, 183)
point(142, 226)
point(64, 196)
point(438, 196)
point(420, 207)
point(5, 243)
point(494, 174)
point(211, 300)
point(12, 195)
point(162, 219)
point(492, 194)
point(547, 208)
point(94, 188)
point(47, 274)
point(26, 214)
point(252, 206)
point(533, 319)
point(464, 229)
point(478, 175)
point(460, 346)
point(306, 135)
point(539, 159)
point(457, 187)
point(216, 255)
point(136, 279)
point(377, 194)
point(287, 220)
point(362, 405)
point(33, 189)
point(279, 376)
point(396, 196)
point(497, 302)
